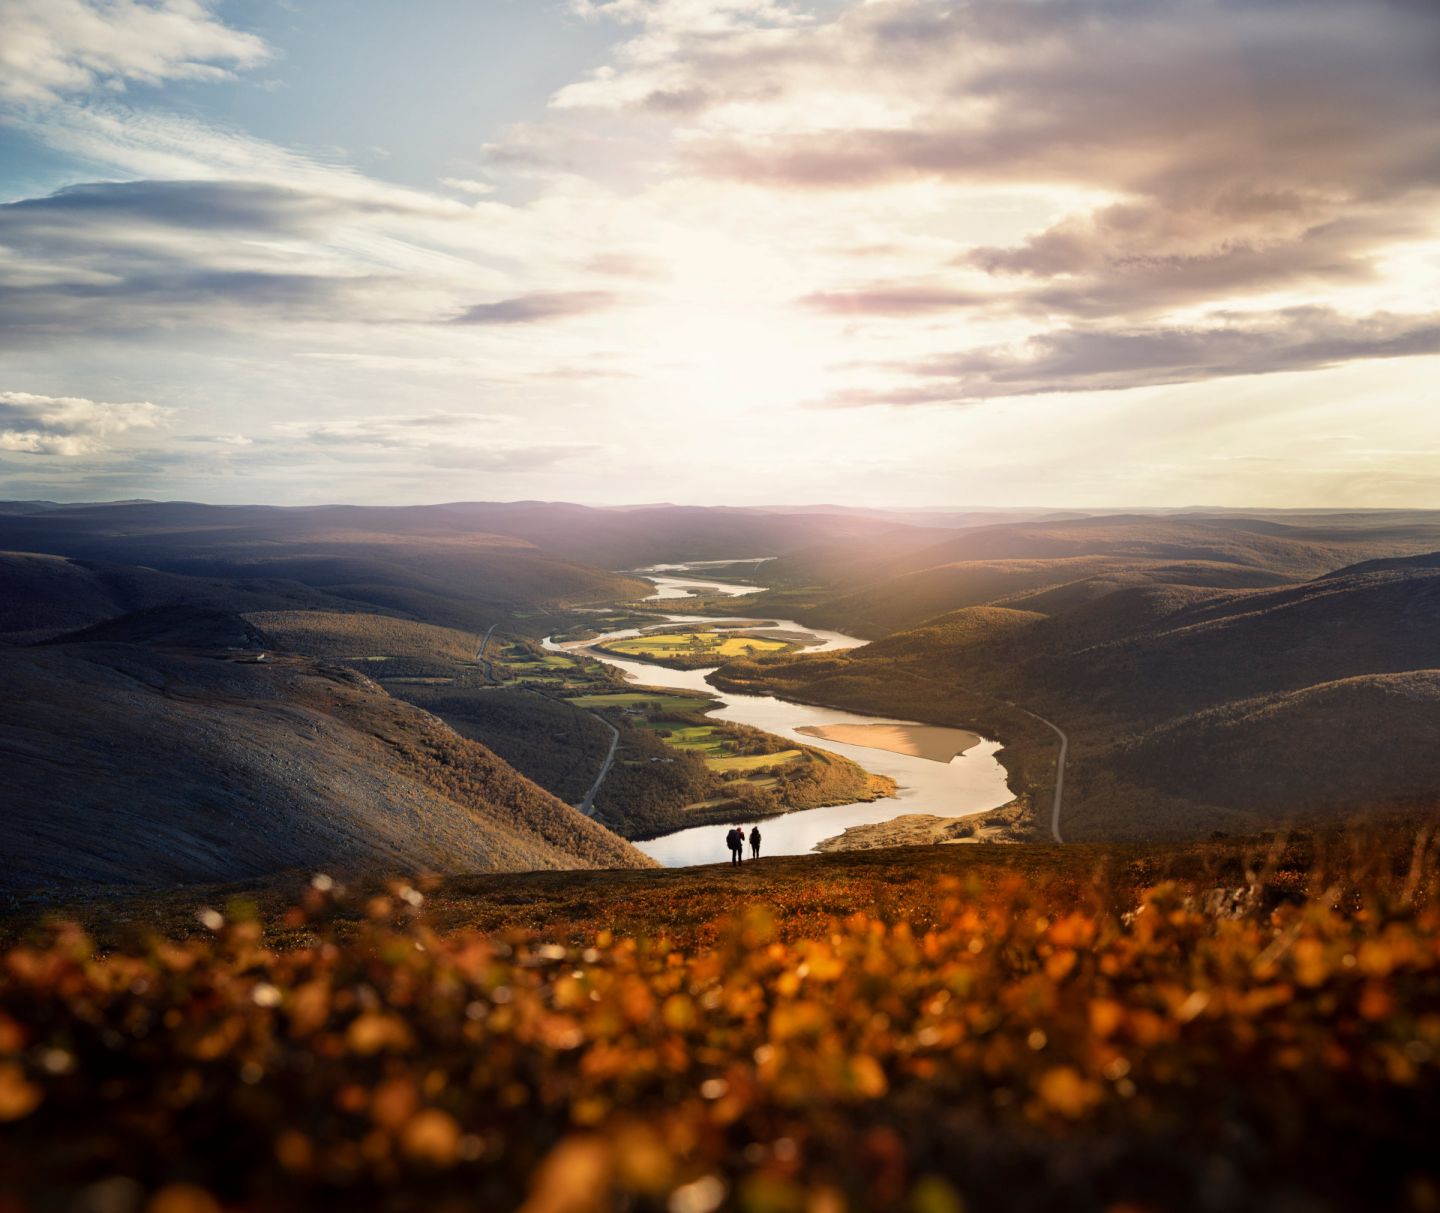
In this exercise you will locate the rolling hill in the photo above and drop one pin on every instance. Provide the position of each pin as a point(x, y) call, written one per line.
point(1341, 741)
point(161, 748)
point(1188, 707)
point(46, 595)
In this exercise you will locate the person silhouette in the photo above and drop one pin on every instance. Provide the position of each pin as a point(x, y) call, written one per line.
point(735, 840)
point(754, 842)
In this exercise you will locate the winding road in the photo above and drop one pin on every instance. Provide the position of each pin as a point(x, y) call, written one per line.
point(1059, 758)
point(587, 805)
point(1059, 768)
point(480, 655)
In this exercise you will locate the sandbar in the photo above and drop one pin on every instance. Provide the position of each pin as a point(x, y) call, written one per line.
point(935, 742)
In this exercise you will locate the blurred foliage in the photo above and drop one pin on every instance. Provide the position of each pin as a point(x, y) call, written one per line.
point(1261, 1029)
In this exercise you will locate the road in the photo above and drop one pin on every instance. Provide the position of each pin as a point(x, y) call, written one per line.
point(1059, 758)
point(1059, 769)
point(480, 656)
point(587, 805)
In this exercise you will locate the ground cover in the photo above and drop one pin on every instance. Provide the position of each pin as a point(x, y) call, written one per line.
point(1243, 1024)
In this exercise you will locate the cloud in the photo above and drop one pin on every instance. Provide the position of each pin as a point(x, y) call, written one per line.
point(537, 307)
point(460, 441)
point(625, 265)
point(510, 456)
point(1129, 259)
point(389, 429)
point(248, 206)
point(104, 257)
point(1225, 148)
point(56, 47)
point(1146, 95)
point(1104, 359)
point(467, 185)
point(175, 297)
point(68, 425)
point(894, 300)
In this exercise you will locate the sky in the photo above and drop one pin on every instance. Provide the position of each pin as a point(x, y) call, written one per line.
point(1075, 253)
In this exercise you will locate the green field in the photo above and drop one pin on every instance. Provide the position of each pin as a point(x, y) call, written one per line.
point(752, 762)
point(697, 738)
point(695, 644)
point(715, 745)
point(529, 665)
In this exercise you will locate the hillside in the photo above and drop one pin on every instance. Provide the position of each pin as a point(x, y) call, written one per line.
point(1343, 741)
point(607, 538)
point(377, 645)
point(551, 742)
point(160, 748)
point(1188, 708)
point(1251, 1024)
point(1216, 648)
point(46, 595)
point(898, 602)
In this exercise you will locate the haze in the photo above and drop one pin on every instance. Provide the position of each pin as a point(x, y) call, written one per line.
point(1071, 252)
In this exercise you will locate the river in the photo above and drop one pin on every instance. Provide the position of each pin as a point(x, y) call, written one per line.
point(970, 783)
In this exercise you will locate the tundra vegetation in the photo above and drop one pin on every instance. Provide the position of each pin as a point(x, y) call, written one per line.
point(1239, 1024)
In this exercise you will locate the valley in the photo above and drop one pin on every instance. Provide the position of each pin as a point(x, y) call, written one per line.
point(1197, 673)
point(966, 782)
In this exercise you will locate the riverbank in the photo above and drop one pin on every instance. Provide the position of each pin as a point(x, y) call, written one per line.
point(1025, 751)
point(1008, 824)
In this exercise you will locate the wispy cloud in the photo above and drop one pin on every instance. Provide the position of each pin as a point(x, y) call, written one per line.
point(894, 300)
point(1109, 359)
point(533, 309)
point(460, 441)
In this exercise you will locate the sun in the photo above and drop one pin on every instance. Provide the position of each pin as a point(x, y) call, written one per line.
point(725, 358)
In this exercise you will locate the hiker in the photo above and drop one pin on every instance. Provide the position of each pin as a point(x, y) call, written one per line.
point(754, 842)
point(735, 840)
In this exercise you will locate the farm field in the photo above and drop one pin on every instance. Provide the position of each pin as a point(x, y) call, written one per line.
point(753, 762)
point(675, 768)
point(697, 648)
point(725, 747)
point(525, 662)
